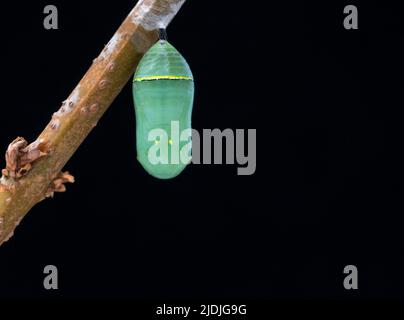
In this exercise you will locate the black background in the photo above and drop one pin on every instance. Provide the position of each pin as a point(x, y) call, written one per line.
point(327, 192)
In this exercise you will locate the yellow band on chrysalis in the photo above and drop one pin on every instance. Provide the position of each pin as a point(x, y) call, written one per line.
point(162, 78)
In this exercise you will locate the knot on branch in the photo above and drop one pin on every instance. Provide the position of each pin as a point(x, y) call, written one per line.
point(58, 184)
point(20, 156)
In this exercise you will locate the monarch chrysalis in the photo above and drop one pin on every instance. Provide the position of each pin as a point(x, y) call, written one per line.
point(163, 92)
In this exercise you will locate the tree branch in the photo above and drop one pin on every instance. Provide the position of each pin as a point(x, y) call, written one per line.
point(33, 171)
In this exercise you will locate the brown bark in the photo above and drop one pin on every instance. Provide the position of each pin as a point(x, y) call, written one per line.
point(33, 171)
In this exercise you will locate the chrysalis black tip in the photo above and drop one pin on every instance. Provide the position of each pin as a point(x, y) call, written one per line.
point(162, 34)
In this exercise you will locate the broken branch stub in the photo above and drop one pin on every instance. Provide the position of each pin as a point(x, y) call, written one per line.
point(19, 157)
point(33, 171)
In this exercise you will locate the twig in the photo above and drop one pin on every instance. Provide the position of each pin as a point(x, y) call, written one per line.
point(33, 171)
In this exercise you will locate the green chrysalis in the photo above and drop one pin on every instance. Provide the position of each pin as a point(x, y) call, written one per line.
point(163, 92)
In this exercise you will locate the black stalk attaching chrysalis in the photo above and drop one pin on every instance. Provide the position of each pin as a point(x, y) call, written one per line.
point(163, 34)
